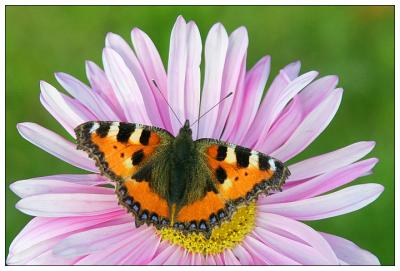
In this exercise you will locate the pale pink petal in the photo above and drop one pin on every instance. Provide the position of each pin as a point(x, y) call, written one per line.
point(243, 255)
point(296, 231)
point(340, 202)
point(329, 161)
point(119, 45)
point(143, 253)
point(100, 84)
point(265, 255)
point(41, 234)
point(292, 70)
point(175, 257)
point(297, 251)
point(177, 60)
point(160, 258)
point(234, 114)
point(126, 89)
point(196, 259)
point(192, 82)
point(48, 258)
point(210, 260)
point(56, 145)
point(32, 253)
point(315, 92)
point(230, 258)
point(90, 241)
point(86, 96)
point(278, 85)
point(281, 91)
point(234, 72)
point(153, 68)
point(349, 252)
point(84, 179)
point(59, 205)
point(323, 183)
point(215, 53)
point(119, 252)
point(284, 126)
point(311, 127)
point(36, 186)
point(255, 82)
point(59, 108)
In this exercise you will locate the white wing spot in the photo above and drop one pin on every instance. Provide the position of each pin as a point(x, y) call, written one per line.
point(94, 127)
point(272, 164)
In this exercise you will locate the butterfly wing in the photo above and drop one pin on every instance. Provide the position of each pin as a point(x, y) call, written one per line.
point(239, 174)
point(122, 151)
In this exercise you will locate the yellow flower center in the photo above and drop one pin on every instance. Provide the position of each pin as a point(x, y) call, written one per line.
point(228, 235)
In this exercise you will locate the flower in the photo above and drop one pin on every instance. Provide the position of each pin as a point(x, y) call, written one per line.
point(77, 218)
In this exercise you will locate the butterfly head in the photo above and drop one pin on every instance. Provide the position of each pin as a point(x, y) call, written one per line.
point(185, 130)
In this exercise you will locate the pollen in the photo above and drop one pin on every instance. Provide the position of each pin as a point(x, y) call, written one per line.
point(227, 236)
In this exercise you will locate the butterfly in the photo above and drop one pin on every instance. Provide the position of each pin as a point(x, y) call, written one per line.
point(167, 181)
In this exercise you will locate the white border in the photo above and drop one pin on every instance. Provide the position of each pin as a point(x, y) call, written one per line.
point(187, 2)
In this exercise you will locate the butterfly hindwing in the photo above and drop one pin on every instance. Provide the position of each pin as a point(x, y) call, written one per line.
point(121, 151)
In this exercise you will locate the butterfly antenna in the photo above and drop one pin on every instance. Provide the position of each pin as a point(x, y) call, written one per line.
point(223, 99)
point(176, 116)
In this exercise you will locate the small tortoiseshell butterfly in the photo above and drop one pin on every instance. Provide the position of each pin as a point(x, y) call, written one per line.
point(170, 181)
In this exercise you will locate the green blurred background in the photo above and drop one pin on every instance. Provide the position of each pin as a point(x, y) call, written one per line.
point(356, 43)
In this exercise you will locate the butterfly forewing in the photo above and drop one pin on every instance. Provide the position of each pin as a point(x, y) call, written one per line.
point(120, 150)
point(241, 174)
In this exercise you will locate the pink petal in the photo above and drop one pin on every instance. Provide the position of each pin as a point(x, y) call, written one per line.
point(323, 183)
point(143, 254)
point(215, 53)
point(243, 255)
point(297, 251)
point(192, 81)
point(255, 82)
point(86, 96)
point(83, 179)
point(77, 204)
point(329, 161)
point(296, 231)
point(164, 255)
point(177, 73)
point(265, 255)
point(281, 91)
point(100, 84)
point(126, 89)
point(210, 260)
point(196, 259)
point(340, 202)
point(311, 127)
point(153, 68)
point(175, 257)
point(120, 46)
point(48, 258)
point(41, 234)
point(349, 252)
point(59, 108)
point(56, 145)
point(315, 93)
point(118, 253)
point(292, 70)
point(36, 186)
point(229, 258)
point(234, 72)
point(284, 126)
point(97, 239)
point(234, 114)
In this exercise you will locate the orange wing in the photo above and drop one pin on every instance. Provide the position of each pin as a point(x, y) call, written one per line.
point(120, 151)
point(239, 174)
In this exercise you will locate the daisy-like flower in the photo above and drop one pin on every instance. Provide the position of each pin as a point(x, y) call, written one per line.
point(77, 217)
